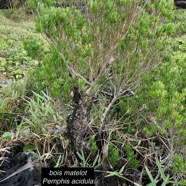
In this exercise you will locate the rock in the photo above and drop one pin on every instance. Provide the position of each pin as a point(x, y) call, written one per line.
point(6, 4)
point(180, 3)
point(10, 165)
point(4, 83)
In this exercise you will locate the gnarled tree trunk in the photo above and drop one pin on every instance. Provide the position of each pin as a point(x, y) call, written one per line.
point(77, 122)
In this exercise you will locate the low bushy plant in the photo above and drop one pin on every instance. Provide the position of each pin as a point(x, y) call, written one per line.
point(111, 66)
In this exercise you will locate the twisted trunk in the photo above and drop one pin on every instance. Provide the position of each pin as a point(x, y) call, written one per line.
point(77, 122)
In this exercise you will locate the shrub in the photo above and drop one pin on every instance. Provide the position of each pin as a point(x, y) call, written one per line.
point(99, 64)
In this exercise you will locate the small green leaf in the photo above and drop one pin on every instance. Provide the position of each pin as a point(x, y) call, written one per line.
point(7, 135)
point(150, 176)
point(95, 160)
point(161, 170)
point(27, 148)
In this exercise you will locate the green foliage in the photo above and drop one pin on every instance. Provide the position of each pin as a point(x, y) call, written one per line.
point(23, 130)
point(41, 111)
point(109, 53)
point(166, 178)
point(27, 148)
point(52, 75)
point(35, 48)
point(13, 61)
point(170, 105)
point(92, 143)
point(11, 104)
point(179, 165)
point(161, 101)
point(113, 154)
point(131, 156)
point(6, 135)
point(83, 46)
point(180, 22)
point(75, 38)
point(85, 160)
point(31, 5)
